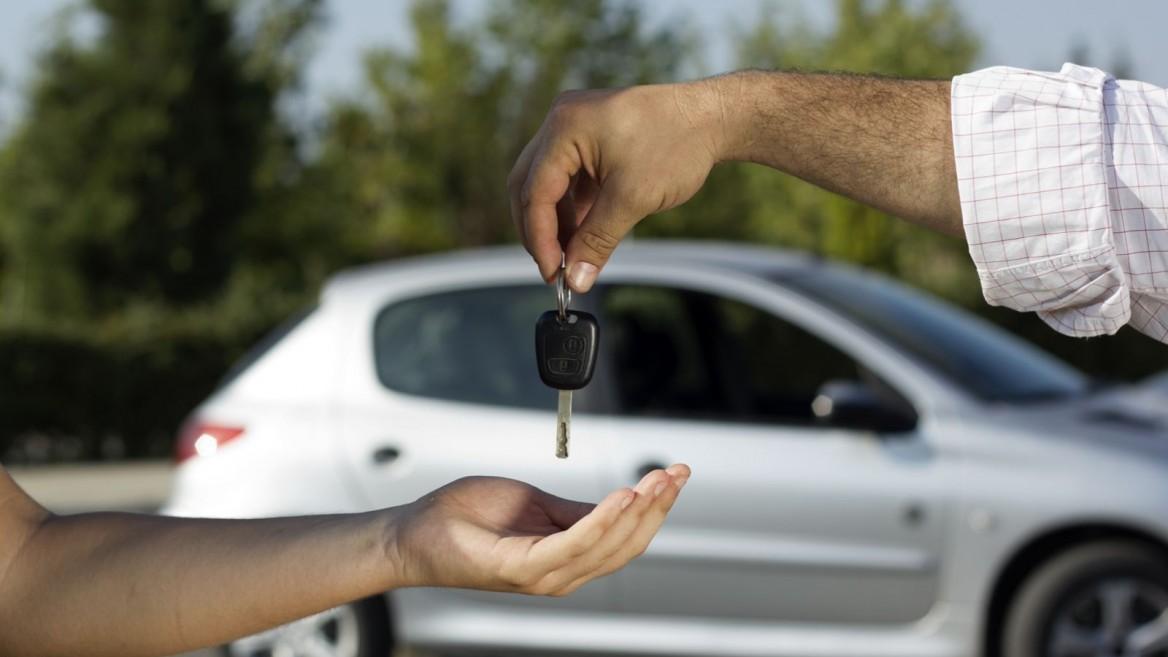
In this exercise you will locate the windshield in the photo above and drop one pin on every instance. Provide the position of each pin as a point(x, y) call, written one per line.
point(976, 355)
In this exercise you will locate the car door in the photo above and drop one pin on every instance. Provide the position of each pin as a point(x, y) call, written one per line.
point(444, 385)
point(783, 520)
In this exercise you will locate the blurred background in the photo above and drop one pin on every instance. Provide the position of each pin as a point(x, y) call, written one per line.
point(179, 176)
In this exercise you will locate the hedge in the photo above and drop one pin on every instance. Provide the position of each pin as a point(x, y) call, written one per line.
point(69, 396)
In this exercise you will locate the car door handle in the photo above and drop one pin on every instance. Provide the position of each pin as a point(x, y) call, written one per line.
point(386, 454)
point(646, 468)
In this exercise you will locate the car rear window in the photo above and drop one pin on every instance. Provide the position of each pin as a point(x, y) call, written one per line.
point(253, 355)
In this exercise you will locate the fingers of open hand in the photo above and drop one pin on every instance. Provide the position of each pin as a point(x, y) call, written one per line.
point(654, 517)
point(571, 567)
point(618, 529)
point(614, 555)
point(553, 552)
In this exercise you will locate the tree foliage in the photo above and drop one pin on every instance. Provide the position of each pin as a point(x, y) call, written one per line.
point(140, 158)
point(419, 163)
point(137, 188)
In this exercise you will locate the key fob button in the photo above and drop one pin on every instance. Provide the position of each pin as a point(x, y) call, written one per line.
point(564, 365)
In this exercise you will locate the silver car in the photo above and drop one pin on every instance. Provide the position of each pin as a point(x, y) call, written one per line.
point(875, 473)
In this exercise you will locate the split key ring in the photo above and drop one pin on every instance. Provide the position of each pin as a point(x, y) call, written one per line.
point(563, 295)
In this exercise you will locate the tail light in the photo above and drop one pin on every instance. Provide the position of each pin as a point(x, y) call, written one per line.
point(201, 438)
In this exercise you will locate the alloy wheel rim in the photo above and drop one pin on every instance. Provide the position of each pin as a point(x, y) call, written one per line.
point(331, 633)
point(1113, 617)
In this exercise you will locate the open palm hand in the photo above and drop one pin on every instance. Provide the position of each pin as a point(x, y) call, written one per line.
point(505, 535)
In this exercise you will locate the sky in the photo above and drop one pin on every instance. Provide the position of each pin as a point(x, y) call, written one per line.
point(1026, 33)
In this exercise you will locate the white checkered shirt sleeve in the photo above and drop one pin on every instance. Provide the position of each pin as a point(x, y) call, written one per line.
point(1063, 180)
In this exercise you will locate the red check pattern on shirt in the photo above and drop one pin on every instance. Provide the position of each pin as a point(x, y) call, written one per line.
point(1063, 180)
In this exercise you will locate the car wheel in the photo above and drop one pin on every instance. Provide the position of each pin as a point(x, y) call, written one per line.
point(1106, 599)
point(358, 629)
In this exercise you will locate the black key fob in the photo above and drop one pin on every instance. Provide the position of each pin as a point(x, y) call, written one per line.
point(565, 348)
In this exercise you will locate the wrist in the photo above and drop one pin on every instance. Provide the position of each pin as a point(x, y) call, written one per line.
point(397, 562)
point(738, 117)
point(710, 108)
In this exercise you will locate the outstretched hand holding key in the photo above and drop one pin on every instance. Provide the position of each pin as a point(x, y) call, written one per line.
point(565, 352)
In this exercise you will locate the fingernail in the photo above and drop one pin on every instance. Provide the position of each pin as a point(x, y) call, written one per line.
point(628, 500)
point(660, 487)
point(581, 276)
point(681, 482)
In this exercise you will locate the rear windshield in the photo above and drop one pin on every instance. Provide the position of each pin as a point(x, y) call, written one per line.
point(990, 363)
point(265, 345)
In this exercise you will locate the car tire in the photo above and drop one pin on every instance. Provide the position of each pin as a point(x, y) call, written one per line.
point(1060, 609)
point(357, 629)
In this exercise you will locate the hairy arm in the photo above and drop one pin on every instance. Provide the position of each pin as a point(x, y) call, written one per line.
point(125, 584)
point(881, 141)
point(605, 159)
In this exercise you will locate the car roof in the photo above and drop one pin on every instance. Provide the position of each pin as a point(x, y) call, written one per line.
point(760, 261)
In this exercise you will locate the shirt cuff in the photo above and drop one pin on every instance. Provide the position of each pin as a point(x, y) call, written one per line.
point(1031, 154)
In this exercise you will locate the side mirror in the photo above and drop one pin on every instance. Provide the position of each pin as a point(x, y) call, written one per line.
point(855, 405)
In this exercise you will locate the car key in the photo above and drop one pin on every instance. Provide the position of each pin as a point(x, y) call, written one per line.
point(565, 352)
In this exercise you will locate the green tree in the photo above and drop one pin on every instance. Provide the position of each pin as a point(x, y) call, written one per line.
point(420, 162)
point(141, 153)
point(140, 247)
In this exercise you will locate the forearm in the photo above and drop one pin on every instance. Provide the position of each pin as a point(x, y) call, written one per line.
point(150, 585)
point(884, 142)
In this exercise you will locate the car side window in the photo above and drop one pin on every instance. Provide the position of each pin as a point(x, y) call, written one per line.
point(467, 345)
point(687, 354)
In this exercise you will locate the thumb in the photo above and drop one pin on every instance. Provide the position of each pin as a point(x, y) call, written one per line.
point(594, 240)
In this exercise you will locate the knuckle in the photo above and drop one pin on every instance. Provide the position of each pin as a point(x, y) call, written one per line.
point(598, 530)
point(599, 240)
point(515, 180)
point(564, 110)
point(564, 98)
point(464, 481)
point(525, 195)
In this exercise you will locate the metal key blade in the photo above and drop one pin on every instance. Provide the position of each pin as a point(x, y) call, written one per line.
point(563, 424)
